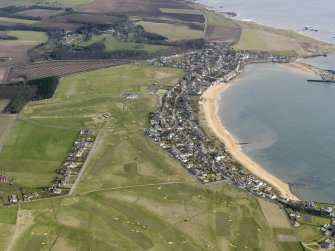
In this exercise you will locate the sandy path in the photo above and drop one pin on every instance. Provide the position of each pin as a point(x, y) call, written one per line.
point(208, 108)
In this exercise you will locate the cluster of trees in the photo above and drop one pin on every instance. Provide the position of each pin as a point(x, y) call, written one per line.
point(5, 37)
point(43, 88)
point(193, 26)
point(96, 51)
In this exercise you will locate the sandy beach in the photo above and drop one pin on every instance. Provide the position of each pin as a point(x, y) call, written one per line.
point(300, 67)
point(208, 109)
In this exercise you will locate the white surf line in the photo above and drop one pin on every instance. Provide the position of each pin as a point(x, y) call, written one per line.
point(5, 136)
point(82, 169)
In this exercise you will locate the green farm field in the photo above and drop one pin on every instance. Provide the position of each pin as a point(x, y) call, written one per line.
point(29, 35)
point(114, 44)
point(132, 196)
point(172, 32)
point(17, 20)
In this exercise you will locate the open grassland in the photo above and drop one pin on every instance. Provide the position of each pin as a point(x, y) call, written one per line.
point(29, 35)
point(180, 11)
point(8, 215)
point(32, 153)
point(279, 41)
point(17, 20)
point(274, 215)
point(157, 217)
point(216, 19)
point(4, 3)
point(172, 32)
point(114, 44)
point(81, 99)
point(6, 233)
point(132, 196)
point(251, 40)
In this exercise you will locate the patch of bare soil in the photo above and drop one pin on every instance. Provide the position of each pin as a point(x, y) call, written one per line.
point(223, 34)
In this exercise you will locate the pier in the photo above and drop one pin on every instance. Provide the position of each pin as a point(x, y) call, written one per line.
point(321, 80)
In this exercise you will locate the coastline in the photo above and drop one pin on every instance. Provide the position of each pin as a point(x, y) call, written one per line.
point(208, 108)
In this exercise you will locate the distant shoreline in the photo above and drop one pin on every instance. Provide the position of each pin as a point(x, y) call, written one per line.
point(208, 108)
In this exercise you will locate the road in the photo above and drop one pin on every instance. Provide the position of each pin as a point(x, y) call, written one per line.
point(74, 186)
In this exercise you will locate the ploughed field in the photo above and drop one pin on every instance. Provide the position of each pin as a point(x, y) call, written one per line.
point(132, 196)
point(57, 68)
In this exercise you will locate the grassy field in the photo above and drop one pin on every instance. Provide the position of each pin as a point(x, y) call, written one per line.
point(113, 44)
point(308, 231)
point(251, 40)
point(4, 3)
point(32, 154)
point(215, 19)
point(172, 32)
point(158, 217)
point(132, 195)
point(180, 11)
point(17, 20)
point(8, 215)
point(279, 41)
point(80, 99)
point(277, 221)
point(4, 124)
point(29, 35)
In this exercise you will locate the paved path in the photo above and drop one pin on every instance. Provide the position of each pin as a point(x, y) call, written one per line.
point(74, 186)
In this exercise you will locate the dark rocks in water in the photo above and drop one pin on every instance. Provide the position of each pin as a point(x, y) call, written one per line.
point(230, 14)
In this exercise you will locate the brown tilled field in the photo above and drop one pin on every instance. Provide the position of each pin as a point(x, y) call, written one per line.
point(3, 104)
point(3, 71)
point(59, 22)
point(138, 7)
point(196, 18)
point(58, 68)
point(43, 13)
point(16, 50)
point(223, 34)
point(93, 18)
point(142, 8)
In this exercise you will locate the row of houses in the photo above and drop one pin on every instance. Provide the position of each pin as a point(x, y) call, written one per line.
point(5, 179)
point(70, 168)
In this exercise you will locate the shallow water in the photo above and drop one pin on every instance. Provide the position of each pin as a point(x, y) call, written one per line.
point(291, 124)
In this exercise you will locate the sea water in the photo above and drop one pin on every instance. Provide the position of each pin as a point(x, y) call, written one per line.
point(291, 14)
point(290, 123)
